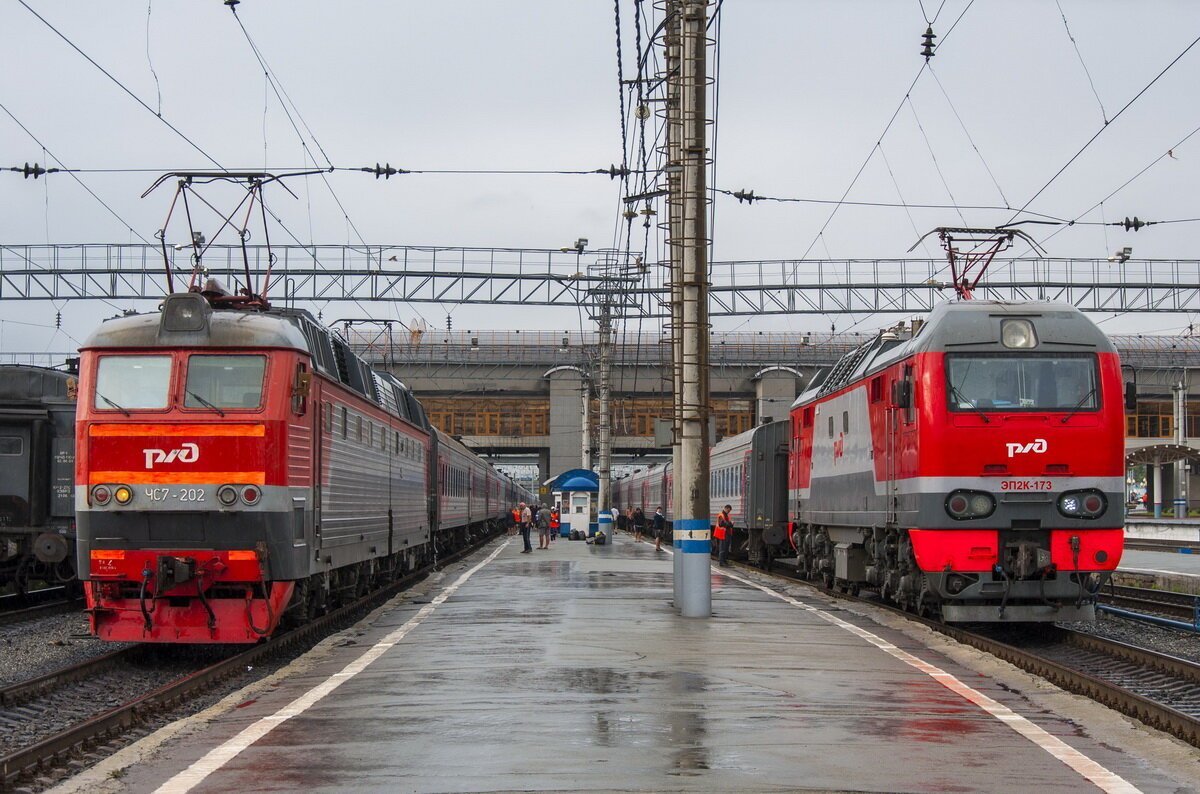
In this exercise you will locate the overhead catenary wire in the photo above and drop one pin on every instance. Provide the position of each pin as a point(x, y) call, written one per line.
point(1078, 54)
point(1106, 125)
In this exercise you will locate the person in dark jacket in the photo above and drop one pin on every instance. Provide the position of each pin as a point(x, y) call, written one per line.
point(658, 524)
point(639, 524)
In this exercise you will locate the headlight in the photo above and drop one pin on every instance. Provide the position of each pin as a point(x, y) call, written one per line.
point(101, 494)
point(1017, 333)
point(962, 504)
point(123, 494)
point(227, 495)
point(1088, 503)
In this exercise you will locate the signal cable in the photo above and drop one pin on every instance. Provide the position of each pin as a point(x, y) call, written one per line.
point(966, 132)
point(1078, 54)
point(74, 175)
point(1168, 153)
point(122, 86)
point(936, 165)
point(1106, 124)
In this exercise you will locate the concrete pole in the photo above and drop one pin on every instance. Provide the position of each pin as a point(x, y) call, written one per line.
point(675, 253)
point(693, 521)
point(1158, 497)
point(604, 498)
point(585, 458)
point(1181, 473)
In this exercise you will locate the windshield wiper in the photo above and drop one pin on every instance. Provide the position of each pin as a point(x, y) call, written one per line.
point(113, 404)
point(1079, 405)
point(206, 403)
point(956, 394)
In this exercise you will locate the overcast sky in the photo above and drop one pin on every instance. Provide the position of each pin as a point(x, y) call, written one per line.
point(804, 91)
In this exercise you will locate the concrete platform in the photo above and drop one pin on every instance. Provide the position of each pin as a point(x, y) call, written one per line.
point(1164, 569)
point(568, 670)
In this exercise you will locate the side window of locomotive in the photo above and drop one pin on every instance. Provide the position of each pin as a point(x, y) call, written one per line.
point(345, 423)
point(215, 382)
point(300, 389)
point(845, 421)
point(125, 383)
point(831, 427)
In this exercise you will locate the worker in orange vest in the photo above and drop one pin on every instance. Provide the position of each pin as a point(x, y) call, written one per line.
point(724, 534)
point(555, 522)
point(516, 520)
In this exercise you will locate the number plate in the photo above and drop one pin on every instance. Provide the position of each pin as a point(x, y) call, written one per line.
point(177, 494)
point(1026, 485)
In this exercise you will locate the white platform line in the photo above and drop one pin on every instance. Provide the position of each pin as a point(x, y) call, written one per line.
point(219, 756)
point(1093, 771)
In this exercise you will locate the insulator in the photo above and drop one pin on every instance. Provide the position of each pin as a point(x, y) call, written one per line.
point(630, 214)
point(927, 41)
point(449, 322)
point(1134, 224)
point(58, 320)
point(386, 171)
point(34, 171)
point(614, 172)
point(745, 195)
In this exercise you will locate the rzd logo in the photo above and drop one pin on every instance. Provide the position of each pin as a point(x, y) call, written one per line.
point(187, 453)
point(1037, 446)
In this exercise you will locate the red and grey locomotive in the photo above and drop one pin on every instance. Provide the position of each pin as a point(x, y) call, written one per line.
point(974, 470)
point(236, 465)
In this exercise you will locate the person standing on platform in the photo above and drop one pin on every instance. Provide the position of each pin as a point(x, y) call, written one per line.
point(639, 524)
point(543, 525)
point(555, 522)
point(659, 526)
point(526, 520)
point(724, 534)
point(516, 520)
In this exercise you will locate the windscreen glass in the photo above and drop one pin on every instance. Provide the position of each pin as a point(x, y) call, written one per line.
point(1022, 383)
point(128, 383)
point(225, 381)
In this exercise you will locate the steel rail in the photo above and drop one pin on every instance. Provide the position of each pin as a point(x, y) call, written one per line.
point(141, 709)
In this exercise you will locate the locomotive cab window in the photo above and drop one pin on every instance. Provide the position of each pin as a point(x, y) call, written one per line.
point(1022, 383)
point(126, 383)
point(215, 382)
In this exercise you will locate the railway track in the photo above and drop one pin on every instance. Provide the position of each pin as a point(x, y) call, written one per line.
point(1155, 544)
point(36, 604)
point(95, 716)
point(1159, 690)
point(1178, 606)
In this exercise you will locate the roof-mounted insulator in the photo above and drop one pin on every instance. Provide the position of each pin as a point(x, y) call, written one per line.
point(746, 196)
point(1134, 224)
point(927, 42)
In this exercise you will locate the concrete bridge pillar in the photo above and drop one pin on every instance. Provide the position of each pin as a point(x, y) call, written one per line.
point(775, 389)
point(567, 386)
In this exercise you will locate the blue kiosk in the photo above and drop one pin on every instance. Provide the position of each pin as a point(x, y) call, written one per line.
point(575, 492)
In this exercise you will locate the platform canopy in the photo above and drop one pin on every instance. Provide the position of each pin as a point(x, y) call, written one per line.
point(1161, 453)
point(574, 480)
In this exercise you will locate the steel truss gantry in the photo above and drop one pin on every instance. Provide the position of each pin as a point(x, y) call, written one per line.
point(550, 277)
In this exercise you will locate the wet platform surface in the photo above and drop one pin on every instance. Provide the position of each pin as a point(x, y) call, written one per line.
point(1162, 562)
point(569, 670)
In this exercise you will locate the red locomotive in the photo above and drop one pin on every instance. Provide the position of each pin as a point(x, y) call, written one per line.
point(239, 464)
point(975, 470)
